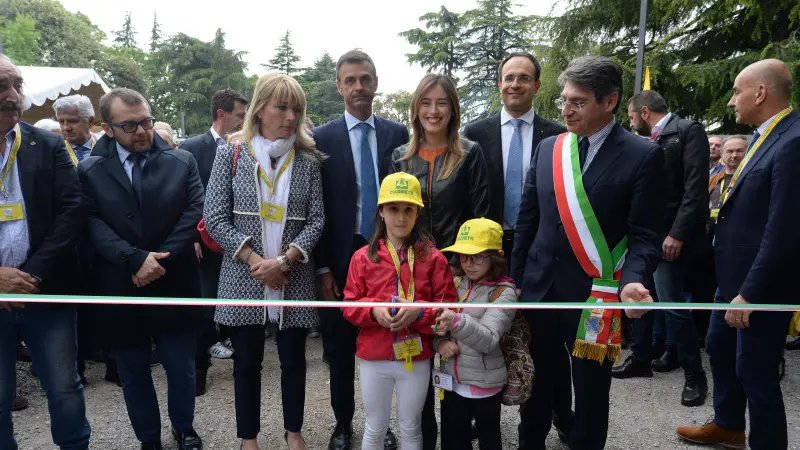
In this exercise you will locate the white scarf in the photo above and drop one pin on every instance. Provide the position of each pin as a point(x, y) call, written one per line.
point(272, 232)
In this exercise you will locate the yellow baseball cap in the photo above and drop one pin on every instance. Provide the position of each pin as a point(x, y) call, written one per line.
point(477, 235)
point(400, 187)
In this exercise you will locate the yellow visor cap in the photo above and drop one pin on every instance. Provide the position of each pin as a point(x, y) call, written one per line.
point(400, 187)
point(476, 236)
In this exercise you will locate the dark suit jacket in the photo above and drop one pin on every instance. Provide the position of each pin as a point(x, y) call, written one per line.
point(123, 234)
point(487, 133)
point(53, 211)
point(685, 147)
point(757, 237)
point(341, 190)
point(204, 149)
point(624, 184)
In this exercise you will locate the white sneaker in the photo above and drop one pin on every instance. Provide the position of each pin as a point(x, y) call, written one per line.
point(219, 351)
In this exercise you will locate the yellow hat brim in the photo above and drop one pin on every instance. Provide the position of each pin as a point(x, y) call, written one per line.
point(399, 200)
point(467, 249)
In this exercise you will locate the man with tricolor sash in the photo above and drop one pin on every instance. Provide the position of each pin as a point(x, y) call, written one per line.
point(588, 231)
point(755, 251)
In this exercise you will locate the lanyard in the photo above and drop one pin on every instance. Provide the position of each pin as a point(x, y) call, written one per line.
point(466, 295)
point(396, 260)
point(271, 184)
point(11, 158)
point(71, 150)
point(753, 149)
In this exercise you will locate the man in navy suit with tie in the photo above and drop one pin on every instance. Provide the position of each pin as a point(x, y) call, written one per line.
point(359, 146)
point(588, 191)
point(755, 251)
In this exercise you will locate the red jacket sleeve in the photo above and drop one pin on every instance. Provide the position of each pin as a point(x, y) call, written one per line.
point(355, 291)
point(442, 288)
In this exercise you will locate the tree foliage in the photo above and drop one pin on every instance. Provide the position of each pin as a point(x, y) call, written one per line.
point(442, 49)
point(126, 36)
point(20, 40)
point(285, 59)
point(395, 106)
point(155, 34)
point(319, 84)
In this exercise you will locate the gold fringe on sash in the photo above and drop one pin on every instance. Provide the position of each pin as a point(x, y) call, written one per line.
point(597, 352)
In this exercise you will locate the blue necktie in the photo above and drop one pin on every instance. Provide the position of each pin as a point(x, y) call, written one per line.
point(369, 186)
point(80, 152)
point(514, 176)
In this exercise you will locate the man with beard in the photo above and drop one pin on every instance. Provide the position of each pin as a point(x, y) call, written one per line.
point(40, 220)
point(228, 109)
point(144, 200)
point(684, 143)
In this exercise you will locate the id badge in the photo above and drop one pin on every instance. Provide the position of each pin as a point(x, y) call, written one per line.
point(408, 348)
point(272, 212)
point(442, 381)
point(11, 211)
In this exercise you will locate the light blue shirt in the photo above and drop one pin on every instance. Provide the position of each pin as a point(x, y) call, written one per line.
point(126, 163)
point(354, 132)
point(14, 238)
point(526, 132)
point(596, 141)
point(220, 142)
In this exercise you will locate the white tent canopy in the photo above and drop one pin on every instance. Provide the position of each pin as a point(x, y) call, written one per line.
point(43, 85)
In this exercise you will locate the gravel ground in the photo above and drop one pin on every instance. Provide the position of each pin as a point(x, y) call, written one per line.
point(644, 412)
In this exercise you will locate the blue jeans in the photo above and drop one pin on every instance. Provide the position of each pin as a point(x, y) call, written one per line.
point(50, 333)
point(744, 366)
point(176, 353)
point(669, 279)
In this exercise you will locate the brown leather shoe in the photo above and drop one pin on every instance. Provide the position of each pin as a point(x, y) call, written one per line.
point(710, 434)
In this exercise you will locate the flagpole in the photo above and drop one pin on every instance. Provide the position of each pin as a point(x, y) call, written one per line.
point(637, 87)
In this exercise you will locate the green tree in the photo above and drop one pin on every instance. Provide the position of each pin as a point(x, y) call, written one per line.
point(442, 48)
point(695, 48)
point(395, 106)
point(285, 59)
point(20, 40)
point(155, 34)
point(125, 37)
point(319, 83)
point(66, 39)
point(124, 67)
point(187, 72)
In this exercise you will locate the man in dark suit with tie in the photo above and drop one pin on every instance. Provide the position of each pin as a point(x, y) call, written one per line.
point(616, 179)
point(755, 250)
point(144, 200)
point(40, 220)
point(359, 148)
point(228, 109)
point(508, 140)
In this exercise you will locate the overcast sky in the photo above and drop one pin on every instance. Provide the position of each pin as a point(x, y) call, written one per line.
point(256, 26)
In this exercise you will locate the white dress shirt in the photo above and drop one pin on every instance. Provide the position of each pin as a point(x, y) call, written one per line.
point(354, 132)
point(596, 141)
point(14, 238)
point(128, 164)
point(662, 123)
point(525, 129)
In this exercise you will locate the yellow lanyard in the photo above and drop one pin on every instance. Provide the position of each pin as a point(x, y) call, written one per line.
point(465, 297)
point(71, 150)
point(274, 182)
point(396, 260)
point(11, 158)
point(752, 151)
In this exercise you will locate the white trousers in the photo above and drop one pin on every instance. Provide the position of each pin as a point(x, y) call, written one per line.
point(379, 380)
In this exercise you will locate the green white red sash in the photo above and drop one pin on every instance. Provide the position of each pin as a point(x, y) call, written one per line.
point(599, 331)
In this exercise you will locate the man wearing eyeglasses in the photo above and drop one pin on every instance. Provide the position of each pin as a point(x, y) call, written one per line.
point(144, 200)
point(588, 229)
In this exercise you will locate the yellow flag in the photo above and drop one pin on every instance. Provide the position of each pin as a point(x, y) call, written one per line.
point(646, 86)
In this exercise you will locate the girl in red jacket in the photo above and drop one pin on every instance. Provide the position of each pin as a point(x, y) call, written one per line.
point(394, 345)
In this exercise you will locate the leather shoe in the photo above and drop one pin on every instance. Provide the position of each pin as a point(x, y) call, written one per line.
point(632, 369)
point(201, 377)
point(793, 345)
point(710, 434)
point(19, 404)
point(666, 363)
point(390, 441)
point(341, 437)
point(187, 441)
point(563, 426)
point(151, 445)
point(694, 393)
point(113, 377)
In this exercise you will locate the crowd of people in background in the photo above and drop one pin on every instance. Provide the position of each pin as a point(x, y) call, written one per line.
point(511, 208)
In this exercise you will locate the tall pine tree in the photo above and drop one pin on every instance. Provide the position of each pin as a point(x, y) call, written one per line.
point(319, 83)
point(441, 45)
point(126, 37)
point(285, 59)
point(155, 35)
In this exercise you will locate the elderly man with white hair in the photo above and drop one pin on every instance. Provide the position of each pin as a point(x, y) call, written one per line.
point(75, 115)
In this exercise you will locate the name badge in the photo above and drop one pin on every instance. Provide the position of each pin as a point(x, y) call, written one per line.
point(442, 381)
point(272, 212)
point(11, 211)
point(408, 348)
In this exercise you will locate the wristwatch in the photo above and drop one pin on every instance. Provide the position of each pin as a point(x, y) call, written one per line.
point(282, 261)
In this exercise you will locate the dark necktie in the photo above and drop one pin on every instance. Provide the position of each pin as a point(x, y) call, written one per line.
point(80, 152)
point(136, 175)
point(583, 151)
point(369, 187)
point(756, 135)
